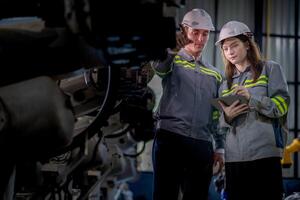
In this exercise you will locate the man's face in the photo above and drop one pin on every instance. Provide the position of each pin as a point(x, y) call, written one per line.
point(198, 37)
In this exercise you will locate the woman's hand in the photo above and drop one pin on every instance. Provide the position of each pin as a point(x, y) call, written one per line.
point(235, 109)
point(241, 90)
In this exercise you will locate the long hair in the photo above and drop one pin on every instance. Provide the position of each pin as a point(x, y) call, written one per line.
point(253, 55)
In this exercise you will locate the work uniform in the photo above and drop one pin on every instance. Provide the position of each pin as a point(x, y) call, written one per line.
point(255, 140)
point(186, 127)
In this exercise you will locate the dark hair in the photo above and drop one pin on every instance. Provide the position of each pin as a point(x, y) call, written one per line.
point(253, 55)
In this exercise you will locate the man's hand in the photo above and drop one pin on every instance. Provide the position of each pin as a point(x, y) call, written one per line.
point(181, 40)
point(218, 161)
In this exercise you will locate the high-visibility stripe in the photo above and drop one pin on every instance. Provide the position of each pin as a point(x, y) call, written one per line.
point(214, 73)
point(161, 74)
point(227, 93)
point(216, 115)
point(262, 80)
point(262, 77)
point(256, 83)
point(203, 69)
point(211, 74)
point(281, 109)
point(282, 101)
point(189, 67)
point(183, 62)
point(229, 90)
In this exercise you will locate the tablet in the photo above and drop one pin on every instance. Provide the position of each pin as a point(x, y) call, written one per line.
point(228, 100)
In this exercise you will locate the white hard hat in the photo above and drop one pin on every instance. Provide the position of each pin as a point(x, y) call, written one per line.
point(198, 19)
point(233, 28)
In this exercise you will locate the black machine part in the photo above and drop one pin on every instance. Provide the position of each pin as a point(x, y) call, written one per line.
point(38, 118)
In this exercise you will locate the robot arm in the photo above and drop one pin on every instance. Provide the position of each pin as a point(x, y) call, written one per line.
point(288, 151)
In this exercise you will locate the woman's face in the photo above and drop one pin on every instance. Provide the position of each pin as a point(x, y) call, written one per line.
point(235, 51)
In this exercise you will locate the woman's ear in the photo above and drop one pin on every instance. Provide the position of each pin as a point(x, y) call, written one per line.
point(247, 44)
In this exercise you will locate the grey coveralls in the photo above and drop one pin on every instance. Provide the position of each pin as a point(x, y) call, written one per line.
point(261, 132)
point(255, 140)
point(186, 128)
point(188, 87)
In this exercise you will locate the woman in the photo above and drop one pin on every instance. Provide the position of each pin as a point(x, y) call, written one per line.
point(255, 137)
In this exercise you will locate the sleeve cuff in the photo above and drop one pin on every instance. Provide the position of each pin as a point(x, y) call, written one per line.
point(253, 101)
point(171, 51)
point(223, 122)
point(220, 151)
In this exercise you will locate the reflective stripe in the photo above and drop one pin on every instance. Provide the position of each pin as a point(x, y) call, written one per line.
point(185, 63)
point(161, 74)
point(256, 83)
point(282, 103)
point(229, 91)
point(216, 115)
point(189, 67)
point(262, 77)
point(203, 69)
point(262, 80)
point(211, 72)
point(281, 109)
point(177, 57)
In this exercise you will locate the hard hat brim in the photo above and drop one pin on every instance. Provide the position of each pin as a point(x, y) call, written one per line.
point(200, 27)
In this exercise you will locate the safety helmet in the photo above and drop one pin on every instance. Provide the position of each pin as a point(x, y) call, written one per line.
point(198, 19)
point(233, 28)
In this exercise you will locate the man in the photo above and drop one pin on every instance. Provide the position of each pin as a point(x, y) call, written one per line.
point(183, 151)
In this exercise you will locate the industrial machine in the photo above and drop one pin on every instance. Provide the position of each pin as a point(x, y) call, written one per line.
point(74, 101)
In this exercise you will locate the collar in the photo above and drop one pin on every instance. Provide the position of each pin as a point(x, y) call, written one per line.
point(238, 73)
point(188, 57)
